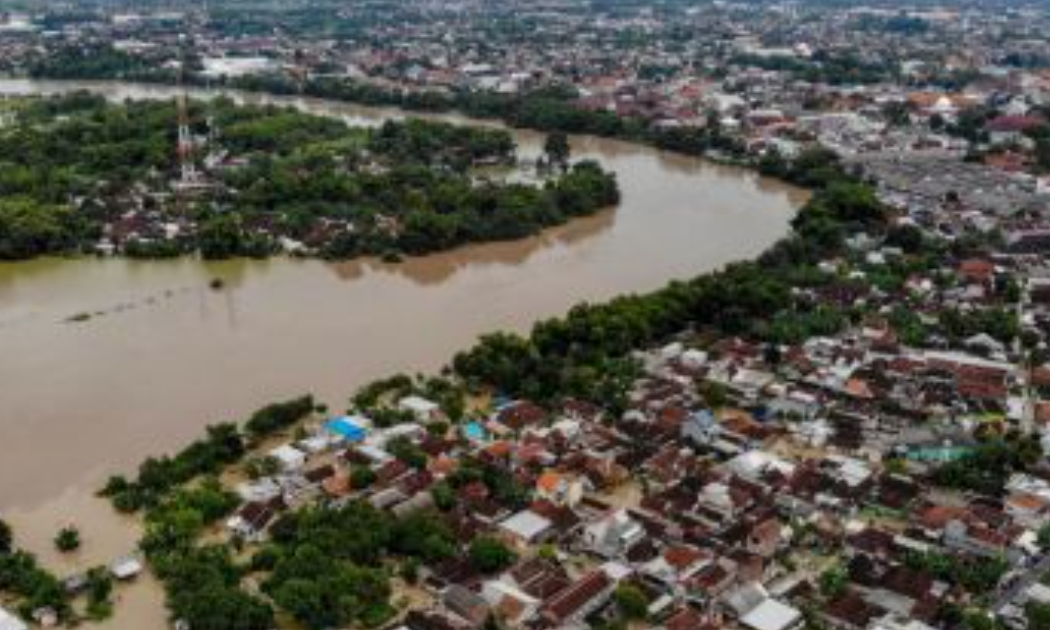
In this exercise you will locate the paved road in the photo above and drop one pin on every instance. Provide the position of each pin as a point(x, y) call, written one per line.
point(1017, 586)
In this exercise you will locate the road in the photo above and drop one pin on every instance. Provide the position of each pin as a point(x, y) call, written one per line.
point(1010, 592)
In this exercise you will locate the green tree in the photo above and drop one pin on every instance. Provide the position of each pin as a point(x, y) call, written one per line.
point(833, 581)
point(490, 555)
point(67, 539)
point(631, 601)
point(99, 590)
point(29, 228)
point(1043, 538)
point(714, 394)
point(1038, 616)
point(361, 477)
point(1042, 153)
point(557, 149)
point(6, 538)
point(222, 236)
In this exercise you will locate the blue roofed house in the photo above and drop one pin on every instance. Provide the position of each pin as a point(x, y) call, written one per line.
point(349, 428)
point(475, 432)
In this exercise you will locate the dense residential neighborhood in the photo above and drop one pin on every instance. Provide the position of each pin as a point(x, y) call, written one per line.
point(849, 433)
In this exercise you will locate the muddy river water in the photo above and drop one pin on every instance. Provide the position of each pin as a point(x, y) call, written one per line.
point(165, 355)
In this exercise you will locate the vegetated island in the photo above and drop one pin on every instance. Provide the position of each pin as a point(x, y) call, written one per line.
point(80, 175)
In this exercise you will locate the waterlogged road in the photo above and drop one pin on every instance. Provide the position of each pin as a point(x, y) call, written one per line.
point(165, 355)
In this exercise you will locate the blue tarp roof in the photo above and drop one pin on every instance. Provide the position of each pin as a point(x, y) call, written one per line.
point(346, 429)
point(474, 431)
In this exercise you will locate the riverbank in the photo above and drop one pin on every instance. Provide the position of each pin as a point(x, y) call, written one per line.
point(282, 327)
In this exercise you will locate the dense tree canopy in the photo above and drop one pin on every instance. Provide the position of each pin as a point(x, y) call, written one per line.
point(327, 565)
point(6, 538)
point(29, 228)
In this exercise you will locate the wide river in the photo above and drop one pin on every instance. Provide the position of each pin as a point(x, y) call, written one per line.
point(165, 355)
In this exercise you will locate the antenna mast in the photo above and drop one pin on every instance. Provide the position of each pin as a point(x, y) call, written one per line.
point(188, 171)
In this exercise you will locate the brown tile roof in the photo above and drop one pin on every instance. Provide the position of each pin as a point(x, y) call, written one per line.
point(571, 600)
point(681, 557)
point(520, 415)
point(852, 609)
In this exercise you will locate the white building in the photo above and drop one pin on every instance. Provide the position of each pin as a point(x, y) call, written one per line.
point(290, 458)
point(424, 410)
point(9, 621)
point(526, 528)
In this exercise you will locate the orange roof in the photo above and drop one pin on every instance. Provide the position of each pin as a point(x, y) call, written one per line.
point(937, 516)
point(499, 449)
point(682, 556)
point(337, 485)
point(510, 608)
point(443, 465)
point(1027, 501)
point(549, 481)
point(1042, 412)
point(858, 388)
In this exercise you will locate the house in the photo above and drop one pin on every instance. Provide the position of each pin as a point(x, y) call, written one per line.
point(688, 618)
point(572, 605)
point(289, 458)
point(518, 416)
point(251, 521)
point(765, 537)
point(538, 578)
point(972, 537)
point(772, 615)
point(896, 622)
point(126, 568)
point(1027, 509)
point(757, 610)
point(676, 564)
point(466, 604)
point(755, 465)
point(1010, 129)
point(613, 535)
point(560, 488)
point(714, 579)
point(424, 410)
point(526, 528)
point(9, 621)
point(346, 429)
point(263, 489)
point(850, 611)
point(700, 428)
point(418, 620)
point(510, 603)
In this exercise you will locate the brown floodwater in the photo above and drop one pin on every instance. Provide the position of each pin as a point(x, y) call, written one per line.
point(162, 354)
